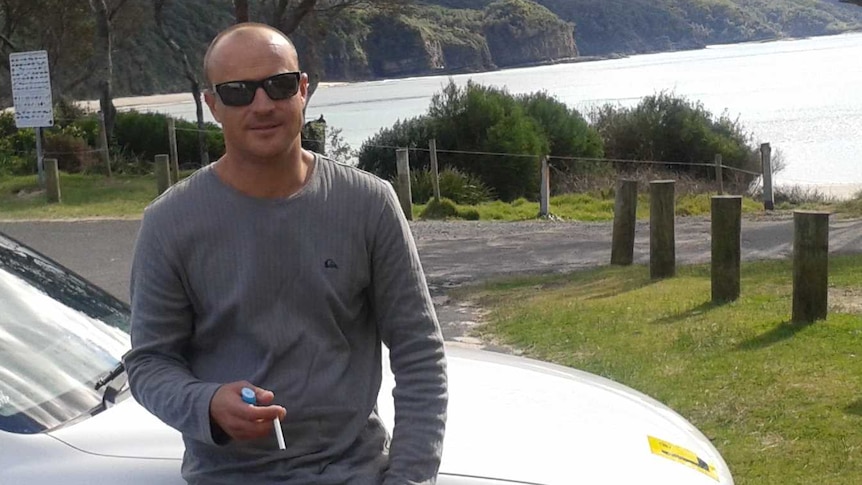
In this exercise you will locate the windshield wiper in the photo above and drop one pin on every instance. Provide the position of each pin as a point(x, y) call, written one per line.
point(110, 376)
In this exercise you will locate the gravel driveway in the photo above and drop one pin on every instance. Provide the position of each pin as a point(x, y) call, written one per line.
point(453, 253)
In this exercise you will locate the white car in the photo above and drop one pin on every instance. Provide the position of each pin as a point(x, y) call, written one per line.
point(65, 417)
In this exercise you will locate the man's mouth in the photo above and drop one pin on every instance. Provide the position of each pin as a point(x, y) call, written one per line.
point(265, 126)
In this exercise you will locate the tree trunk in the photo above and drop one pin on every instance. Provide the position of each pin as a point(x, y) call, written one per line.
point(241, 10)
point(106, 71)
point(158, 10)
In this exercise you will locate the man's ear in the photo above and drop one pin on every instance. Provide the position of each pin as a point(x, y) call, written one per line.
point(210, 99)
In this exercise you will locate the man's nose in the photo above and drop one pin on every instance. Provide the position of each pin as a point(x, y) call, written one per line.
point(262, 101)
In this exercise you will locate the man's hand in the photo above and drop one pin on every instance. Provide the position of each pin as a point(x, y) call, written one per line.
point(243, 421)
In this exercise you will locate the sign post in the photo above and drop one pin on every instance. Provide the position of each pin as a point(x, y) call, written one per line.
point(31, 96)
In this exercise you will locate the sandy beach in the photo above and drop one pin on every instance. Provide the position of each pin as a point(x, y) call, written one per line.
point(157, 100)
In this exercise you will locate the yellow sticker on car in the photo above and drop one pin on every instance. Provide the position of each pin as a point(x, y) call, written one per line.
point(681, 455)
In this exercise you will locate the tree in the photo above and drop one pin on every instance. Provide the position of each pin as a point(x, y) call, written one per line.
point(158, 12)
point(489, 133)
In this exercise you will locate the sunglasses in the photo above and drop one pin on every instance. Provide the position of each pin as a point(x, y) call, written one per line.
point(241, 93)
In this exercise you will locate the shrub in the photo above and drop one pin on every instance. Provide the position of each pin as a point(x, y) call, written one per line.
point(439, 209)
point(469, 214)
point(72, 152)
point(460, 187)
point(145, 135)
point(485, 119)
point(673, 129)
point(11, 164)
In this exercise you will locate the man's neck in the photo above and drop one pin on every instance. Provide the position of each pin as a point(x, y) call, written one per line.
point(267, 179)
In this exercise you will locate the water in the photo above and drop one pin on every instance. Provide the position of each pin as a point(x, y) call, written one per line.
point(802, 96)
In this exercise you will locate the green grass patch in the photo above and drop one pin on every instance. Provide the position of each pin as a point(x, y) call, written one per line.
point(782, 402)
point(587, 207)
point(82, 196)
point(88, 196)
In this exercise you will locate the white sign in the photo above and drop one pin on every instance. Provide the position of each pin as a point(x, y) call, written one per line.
point(31, 89)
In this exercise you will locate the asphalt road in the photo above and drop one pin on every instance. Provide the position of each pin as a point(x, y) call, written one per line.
point(452, 253)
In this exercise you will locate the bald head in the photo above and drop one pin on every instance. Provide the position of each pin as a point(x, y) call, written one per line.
point(245, 38)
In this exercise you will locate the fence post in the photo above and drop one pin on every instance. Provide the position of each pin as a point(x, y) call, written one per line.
point(662, 250)
point(163, 176)
point(404, 193)
point(726, 251)
point(52, 175)
point(435, 176)
point(766, 167)
point(172, 142)
point(810, 265)
point(718, 175)
point(40, 158)
point(625, 217)
point(103, 142)
point(545, 189)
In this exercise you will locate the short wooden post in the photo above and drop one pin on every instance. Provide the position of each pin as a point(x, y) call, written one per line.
point(625, 218)
point(545, 189)
point(172, 139)
point(404, 193)
point(52, 178)
point(163, 175)
point(103, 144)
point(662, 251)
point(718, 175)
point(435, 175)
point(810, 265)
point(726, 251)
point(766, 167)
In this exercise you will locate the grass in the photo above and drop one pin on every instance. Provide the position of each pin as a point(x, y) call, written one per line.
point(83, 196)
point(92, 196)
point(781, 401)
point(587, 207)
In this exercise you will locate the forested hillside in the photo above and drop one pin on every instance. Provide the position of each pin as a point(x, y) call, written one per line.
point(432, 36)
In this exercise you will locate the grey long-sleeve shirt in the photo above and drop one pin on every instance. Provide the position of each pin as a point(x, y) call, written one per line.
point(294, 295)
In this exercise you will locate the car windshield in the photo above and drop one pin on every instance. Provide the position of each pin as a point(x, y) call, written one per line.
point(58, 335)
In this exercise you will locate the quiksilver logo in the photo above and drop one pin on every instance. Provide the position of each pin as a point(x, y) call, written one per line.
point(330, 263)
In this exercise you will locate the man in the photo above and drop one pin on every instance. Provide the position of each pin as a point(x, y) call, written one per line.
point(280, 270)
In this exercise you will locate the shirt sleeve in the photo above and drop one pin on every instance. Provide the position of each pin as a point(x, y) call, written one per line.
point(409, 328)
point(161, 328)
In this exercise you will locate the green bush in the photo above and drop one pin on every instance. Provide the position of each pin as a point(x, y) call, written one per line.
point(16, 165)
point(468, 214)
point(667, 128)
point(145, 135)
point(513, 132)
point(460, 187)
point(72, 152)
point(439, 209)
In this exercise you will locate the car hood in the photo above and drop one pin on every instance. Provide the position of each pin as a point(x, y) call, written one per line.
point(509, 418)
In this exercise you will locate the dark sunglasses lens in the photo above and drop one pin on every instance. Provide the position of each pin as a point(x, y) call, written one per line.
point(236, 93)
point(282, 86)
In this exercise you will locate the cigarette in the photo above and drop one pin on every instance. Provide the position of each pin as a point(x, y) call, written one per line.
point(278, 433)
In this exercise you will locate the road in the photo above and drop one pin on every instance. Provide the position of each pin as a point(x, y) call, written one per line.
point(452, 253)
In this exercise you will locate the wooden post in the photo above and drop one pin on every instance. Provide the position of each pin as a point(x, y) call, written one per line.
point(103, 144)
point(404, 193)
point(810, 265)
point(766, 166)
point(40, 159)
point(52, 175)
point(726, 252)
point(163, 175)
point(545, 189)
point(662, 250)
point(435, 176)
point(718, 175)
point(172, 141)
point(625, 217)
